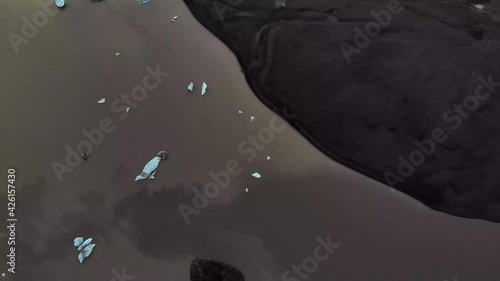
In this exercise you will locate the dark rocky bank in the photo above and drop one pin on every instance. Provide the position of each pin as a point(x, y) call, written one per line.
point(398, 91)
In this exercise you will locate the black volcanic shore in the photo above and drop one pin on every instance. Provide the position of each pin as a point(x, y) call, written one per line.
point(414, 106)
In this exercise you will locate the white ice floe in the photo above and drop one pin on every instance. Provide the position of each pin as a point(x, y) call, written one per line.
point(191, 87)
point(174, 18)
point(204, 89)
point(479, 6)
point(149, 170)
point(246, 189)
point(101, 101)
point(117, 54)
point(240, 112)
point(128, 109)
point(268, 158)
point(252, 118)
point(256, 175)
point(60, 3)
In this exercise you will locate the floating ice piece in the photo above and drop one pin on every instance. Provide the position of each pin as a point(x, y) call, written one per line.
point(3, 274)
point(479, 6)
point(240, 112)
point(117, 54)
point(85, 244)
point(86, 253)
point(204, 88)
point(256, 175)
point(101, 101)
point(149, 170)
point(142, 2)
point(268, 158)
point(191, 87)
point(78, 241)
point(60, 3)
point(174, 18)
point(246, 189)
point(128, 109)
point(252, 118)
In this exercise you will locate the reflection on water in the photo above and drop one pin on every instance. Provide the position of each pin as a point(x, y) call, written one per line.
point(49, 93)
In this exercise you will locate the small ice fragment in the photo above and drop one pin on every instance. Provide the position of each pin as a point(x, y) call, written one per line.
point(149, 170)
point(252, 118)
point(101, 101)
point(478, 6)
point(240, 112)
point(78, 241)
point(128, 109)
point(191, 86)
point(174, 18)
point(268, 158)
point(256, 175)
point(3, 274)
point(60, 3)
point(204, 89)
point(86, 253)
point(246, 189)
point(85, 244)
point(142, 2)
point(117, 54)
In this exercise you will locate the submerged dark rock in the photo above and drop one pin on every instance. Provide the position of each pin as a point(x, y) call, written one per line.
point(210, 270)
point(410, 106)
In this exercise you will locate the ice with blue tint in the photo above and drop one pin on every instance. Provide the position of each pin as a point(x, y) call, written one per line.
point(84, 247)
point(256, 175)
point(78, 241)
point(142, 2)
point(204, 89)
point(191, 87)
point(101, 101)
point(149, 170)
point(85, 244)
point(60, 3)
point(86, 252)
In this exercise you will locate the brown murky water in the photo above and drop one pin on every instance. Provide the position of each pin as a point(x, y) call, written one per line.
point(49, 94)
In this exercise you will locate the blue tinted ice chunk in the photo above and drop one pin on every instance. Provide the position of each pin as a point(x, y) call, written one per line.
point(86, 252)
point(191, 87)
point(78, 241)
point(142, 2)
point(256, 175)
point(149, 170)
point(204, 88)
point(101, 101)
point(60, 3)
point(85, 244)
